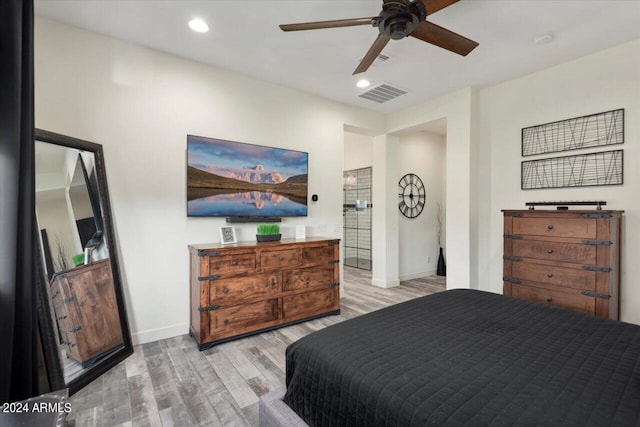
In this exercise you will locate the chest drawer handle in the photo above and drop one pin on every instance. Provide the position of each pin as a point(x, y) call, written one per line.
point(225, 291)
point(281, 258)
point(266, 285)
point(549, 299)
point(234, 263)
point(225, 321)
point(549, 227)
point(549, 274)
point(549, 251)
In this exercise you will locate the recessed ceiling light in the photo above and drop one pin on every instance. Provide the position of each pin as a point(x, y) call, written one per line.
point(198, 25)
point(363, 83)
point(543, 39)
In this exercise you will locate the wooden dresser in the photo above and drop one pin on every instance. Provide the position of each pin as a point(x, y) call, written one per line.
point(85, 309)
point(248, 287)
point(568, 259)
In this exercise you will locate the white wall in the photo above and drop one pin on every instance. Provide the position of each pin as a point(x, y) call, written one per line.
point(358, 151)
point(596, 83)
point(423, 154)
point(385, 238)
point(140, 104)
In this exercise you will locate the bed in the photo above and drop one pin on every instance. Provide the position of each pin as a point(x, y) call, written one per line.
point(463, 357)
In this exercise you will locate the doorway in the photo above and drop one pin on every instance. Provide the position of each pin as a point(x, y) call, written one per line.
point(356, 214)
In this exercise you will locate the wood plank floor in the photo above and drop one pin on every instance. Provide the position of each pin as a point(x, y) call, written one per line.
point(171, 383)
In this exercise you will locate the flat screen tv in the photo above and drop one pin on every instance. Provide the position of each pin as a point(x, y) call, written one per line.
point(235, 179)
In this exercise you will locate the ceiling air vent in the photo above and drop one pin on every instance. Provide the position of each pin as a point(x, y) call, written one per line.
point(382, 93)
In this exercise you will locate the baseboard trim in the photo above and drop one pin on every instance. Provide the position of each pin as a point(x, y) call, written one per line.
point(417, 275)
point(385, 283)
point(151, 335)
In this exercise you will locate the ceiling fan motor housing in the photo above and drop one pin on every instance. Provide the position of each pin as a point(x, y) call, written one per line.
point(397, 19)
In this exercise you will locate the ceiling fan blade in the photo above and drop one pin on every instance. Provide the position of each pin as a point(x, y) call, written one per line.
point(441, 37)
point(433, 6)
point(326, 24)
point(372, 54)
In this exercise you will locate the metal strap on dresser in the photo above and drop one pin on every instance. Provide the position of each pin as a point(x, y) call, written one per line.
point(595, 295)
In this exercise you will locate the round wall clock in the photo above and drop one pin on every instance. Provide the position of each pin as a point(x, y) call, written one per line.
point(412, 195)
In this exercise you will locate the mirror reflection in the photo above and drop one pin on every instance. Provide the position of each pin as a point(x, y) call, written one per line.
point(76, 256)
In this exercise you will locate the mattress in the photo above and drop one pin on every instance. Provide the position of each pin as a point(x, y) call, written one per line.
point(466, 357)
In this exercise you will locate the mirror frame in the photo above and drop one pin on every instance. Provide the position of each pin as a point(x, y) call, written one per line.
point(48, 330)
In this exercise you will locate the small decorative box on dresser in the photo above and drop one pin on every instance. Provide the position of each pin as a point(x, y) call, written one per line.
point(84, 304)
point(247, 288)
point(568, 259)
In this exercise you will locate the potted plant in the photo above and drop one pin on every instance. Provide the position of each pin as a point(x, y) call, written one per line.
point(78, 259)
point(268, 233)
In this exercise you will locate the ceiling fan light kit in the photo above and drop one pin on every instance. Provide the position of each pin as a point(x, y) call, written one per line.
point(397, 20)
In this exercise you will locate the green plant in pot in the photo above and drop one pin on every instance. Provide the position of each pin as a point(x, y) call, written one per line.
point(268, 233)
point(78, 259)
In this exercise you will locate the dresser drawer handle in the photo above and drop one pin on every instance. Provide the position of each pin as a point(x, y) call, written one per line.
point(225, 321)
point(225, 291)
point(549, 227)
point(549, 299)
point(281, 258)
point(234, 263)
point(295, 306)
point(266, 285)
point(549, 274)
point(266, 311)
point(549, 251)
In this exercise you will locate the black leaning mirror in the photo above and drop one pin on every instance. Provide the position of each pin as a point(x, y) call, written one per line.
point(81, 311)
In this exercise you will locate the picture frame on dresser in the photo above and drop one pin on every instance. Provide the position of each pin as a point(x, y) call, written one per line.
point(228, 235)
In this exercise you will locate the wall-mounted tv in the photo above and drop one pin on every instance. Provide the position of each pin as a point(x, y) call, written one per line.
point(231, 179)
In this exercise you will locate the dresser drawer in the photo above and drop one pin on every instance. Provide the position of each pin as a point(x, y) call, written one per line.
point(568, 298)
point(307, 279)
point(231, 265)
point(559, 276)
point(246, 288)
point(276, 260)
point(555, 251)
point(309, 304)
point(557, 227)
point(241, 318)
point(319, 255)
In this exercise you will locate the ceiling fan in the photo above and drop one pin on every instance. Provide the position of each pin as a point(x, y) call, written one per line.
point(399, 19)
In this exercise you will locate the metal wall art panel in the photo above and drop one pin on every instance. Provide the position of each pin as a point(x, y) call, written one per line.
point(583, 170)
point(572, 134)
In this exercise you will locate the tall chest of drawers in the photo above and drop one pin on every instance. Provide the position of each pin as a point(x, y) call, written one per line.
point(568, 259)
point(86, 312)
point(250, 287)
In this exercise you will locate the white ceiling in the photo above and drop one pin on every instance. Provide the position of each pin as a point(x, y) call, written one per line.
point(245, 38)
